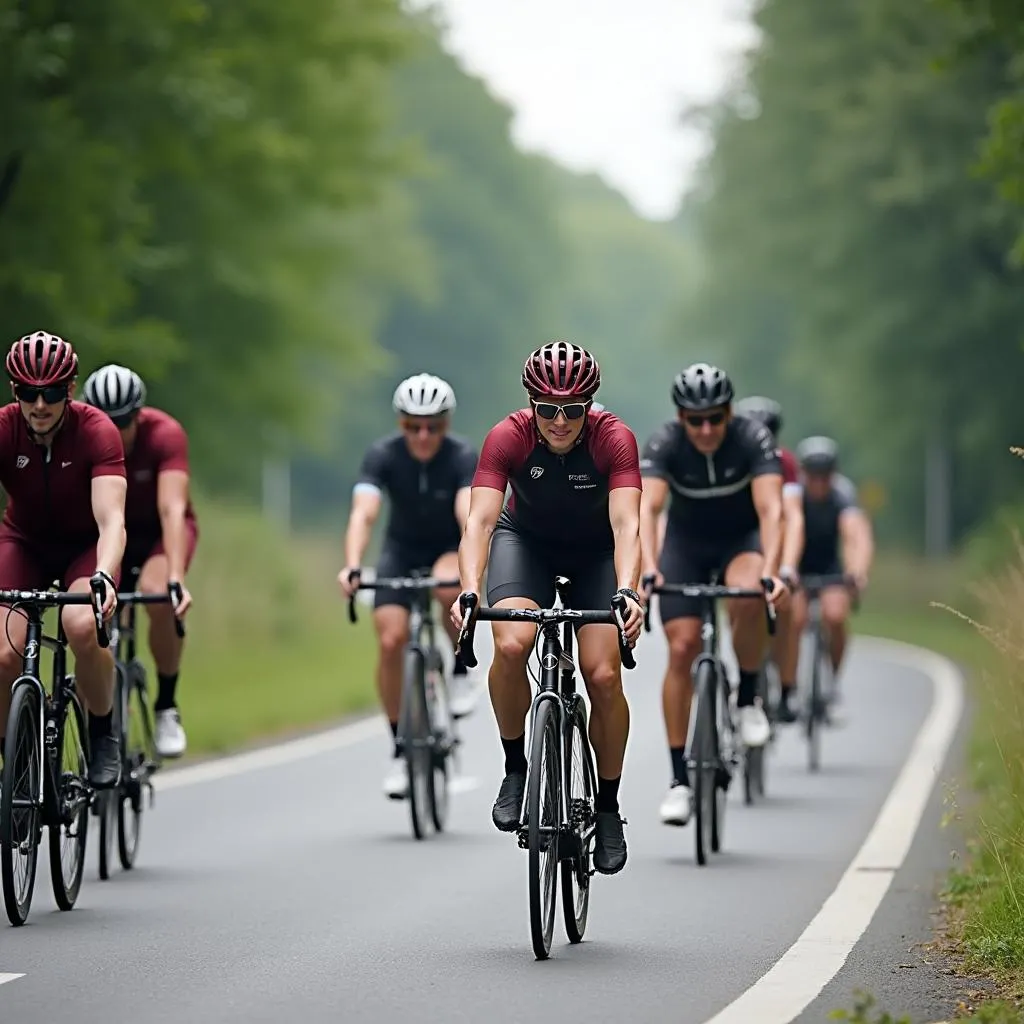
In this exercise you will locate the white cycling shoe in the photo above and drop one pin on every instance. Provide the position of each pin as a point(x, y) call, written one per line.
point(755, 730)
point(170, 737)
point(396, 782)
point(677, 806)
point(464, 692)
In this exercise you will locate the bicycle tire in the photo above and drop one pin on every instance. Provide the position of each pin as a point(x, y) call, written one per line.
point(814, 712)
point(66, 886)
point(440, 718)
point(414, 733)
point(22, 735)
point(106, 811)
point(582, 804)
point(544, 782)
point(755, 757)
point(725, 741)
point(139, 755)
point(705, 754)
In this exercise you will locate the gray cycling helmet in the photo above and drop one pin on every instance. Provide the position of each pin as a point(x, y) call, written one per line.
point(764, 410)
point(115, 390)
point(702, 386)
point(423, 394)
point(818, 454)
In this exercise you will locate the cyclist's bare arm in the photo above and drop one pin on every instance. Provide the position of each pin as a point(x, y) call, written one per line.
point(366, 503)
point(652, 503)
point(767, 494)
point(624, 514)
point(171, 503)
point(484, 508)
point(793, 528)
point(462, 499)
point(108, 494)
point(858, 542)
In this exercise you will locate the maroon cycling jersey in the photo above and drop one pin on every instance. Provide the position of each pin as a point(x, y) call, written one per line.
point(560, 499)
point(49, 490)
point(160, 444)
point(790, 468)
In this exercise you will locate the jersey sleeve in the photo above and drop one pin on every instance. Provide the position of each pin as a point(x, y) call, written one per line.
point(619, 456)
point(500, 456)
point(765, 458)
point(654, 460)
point(465, 466)
point(106, 451)
point(374, 469)
point(171, 447)
point(845, 494)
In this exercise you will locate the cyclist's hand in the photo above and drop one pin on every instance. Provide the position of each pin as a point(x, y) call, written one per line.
point(860, 581)
point(349, 579)
point(634, 618)
point(648, 582)
point(778, 596)
point(790, 577)
point(109, 594)
point(184, 601)
point(456, 609)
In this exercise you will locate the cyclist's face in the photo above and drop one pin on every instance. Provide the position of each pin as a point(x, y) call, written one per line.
point(43, 407)
point(706, 429)
point(817, 485)
point(128, 427)
point(424, 435)
point(560, 421)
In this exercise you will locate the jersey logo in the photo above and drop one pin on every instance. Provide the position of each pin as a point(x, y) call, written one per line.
point(64, 465)
point(536, 472)
point(22, 461)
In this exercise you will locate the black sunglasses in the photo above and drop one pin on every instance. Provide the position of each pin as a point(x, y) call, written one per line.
point(418, 427)
point(51, 395)
point(572, 411)
point(716, 419)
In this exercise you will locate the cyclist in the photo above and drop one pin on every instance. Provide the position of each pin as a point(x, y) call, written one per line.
point(786, 642)
point(161, 523)
point(62, 466)
point(574, 511)
point(426, 473)
point(725, 516)
point(839, 539)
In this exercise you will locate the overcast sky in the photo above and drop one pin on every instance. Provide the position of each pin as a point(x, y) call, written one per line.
point(598, 84)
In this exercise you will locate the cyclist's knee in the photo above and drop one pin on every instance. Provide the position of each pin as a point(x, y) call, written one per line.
point(10, 661)
point(834, 610)
point(80, 627)
point(683, 643)
point(513, 644)
point(604, 683)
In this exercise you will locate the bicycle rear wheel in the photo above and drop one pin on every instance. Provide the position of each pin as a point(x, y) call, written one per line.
point(67, 840)
point(20, 812)
point(440, 718)
point(581, 790)
point(140, 759)
point(415, 740)
point(754, 761)
point(543, 821)
point(816, 707)
point(704, 762)
point(106, 810)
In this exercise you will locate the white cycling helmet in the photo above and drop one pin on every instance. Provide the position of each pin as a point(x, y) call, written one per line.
point(115, 390)
point(423, 395)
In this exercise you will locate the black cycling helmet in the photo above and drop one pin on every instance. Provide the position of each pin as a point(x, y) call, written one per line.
point(818, 455)
point(702, 386)
point(764, 410)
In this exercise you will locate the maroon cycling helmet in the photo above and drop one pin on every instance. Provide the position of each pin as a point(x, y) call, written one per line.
point(41, 360)
point(561, 370)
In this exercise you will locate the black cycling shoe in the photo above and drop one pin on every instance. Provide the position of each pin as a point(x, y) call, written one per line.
point(609, 843)
point(509, 803)
point(105, 762)
point(784, 713)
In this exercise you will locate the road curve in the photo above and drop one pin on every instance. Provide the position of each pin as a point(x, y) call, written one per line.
point(297, 889)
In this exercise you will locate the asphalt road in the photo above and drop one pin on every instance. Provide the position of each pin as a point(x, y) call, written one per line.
point(296, 891)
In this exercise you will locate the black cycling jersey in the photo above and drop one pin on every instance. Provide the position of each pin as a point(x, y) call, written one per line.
point(421, 494)
point(822, 555)
point(712, 499)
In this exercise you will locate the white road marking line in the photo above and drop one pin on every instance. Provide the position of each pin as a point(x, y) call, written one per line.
point(796, 979)
point(4, 978)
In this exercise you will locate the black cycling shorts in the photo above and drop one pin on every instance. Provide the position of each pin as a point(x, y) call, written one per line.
point(522, 567)
point(827, 565)
point(685, 559)
point(401, 560)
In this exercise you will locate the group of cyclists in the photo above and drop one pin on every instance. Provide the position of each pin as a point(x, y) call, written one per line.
point(95, 489)
point(100, 487)
point(711, 493)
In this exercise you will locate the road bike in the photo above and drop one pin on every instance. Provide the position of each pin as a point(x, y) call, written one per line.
point(561, 788)
point(427, 737)
point(819, 688)
point(45, 773)
point(715, 748)
point(121, 809)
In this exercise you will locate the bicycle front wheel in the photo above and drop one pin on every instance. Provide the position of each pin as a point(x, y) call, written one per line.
point(67, 839)
point(581, 791)
point(440, 717)
point(543, 820)
point(20, 811)
point(415, 741)
point(140, 760)
point(705, 762)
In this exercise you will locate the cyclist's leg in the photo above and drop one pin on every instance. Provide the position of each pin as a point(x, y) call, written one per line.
point(94, 673)
point(518, 576)
point(164, 643)
point(786, 653)
point(464, 690)
point(391, 622)
point(19, 568)
point(835, 610)
point(593, 584)
point(743, 568)
point(681, 562)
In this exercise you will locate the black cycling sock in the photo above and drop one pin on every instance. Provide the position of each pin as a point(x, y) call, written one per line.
point(394, 736)
point(165, 694)
point(747, 689)
point(680, 775)
point(608, 794)
point(515, 755)
point(458, 666)
point(785, 693)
